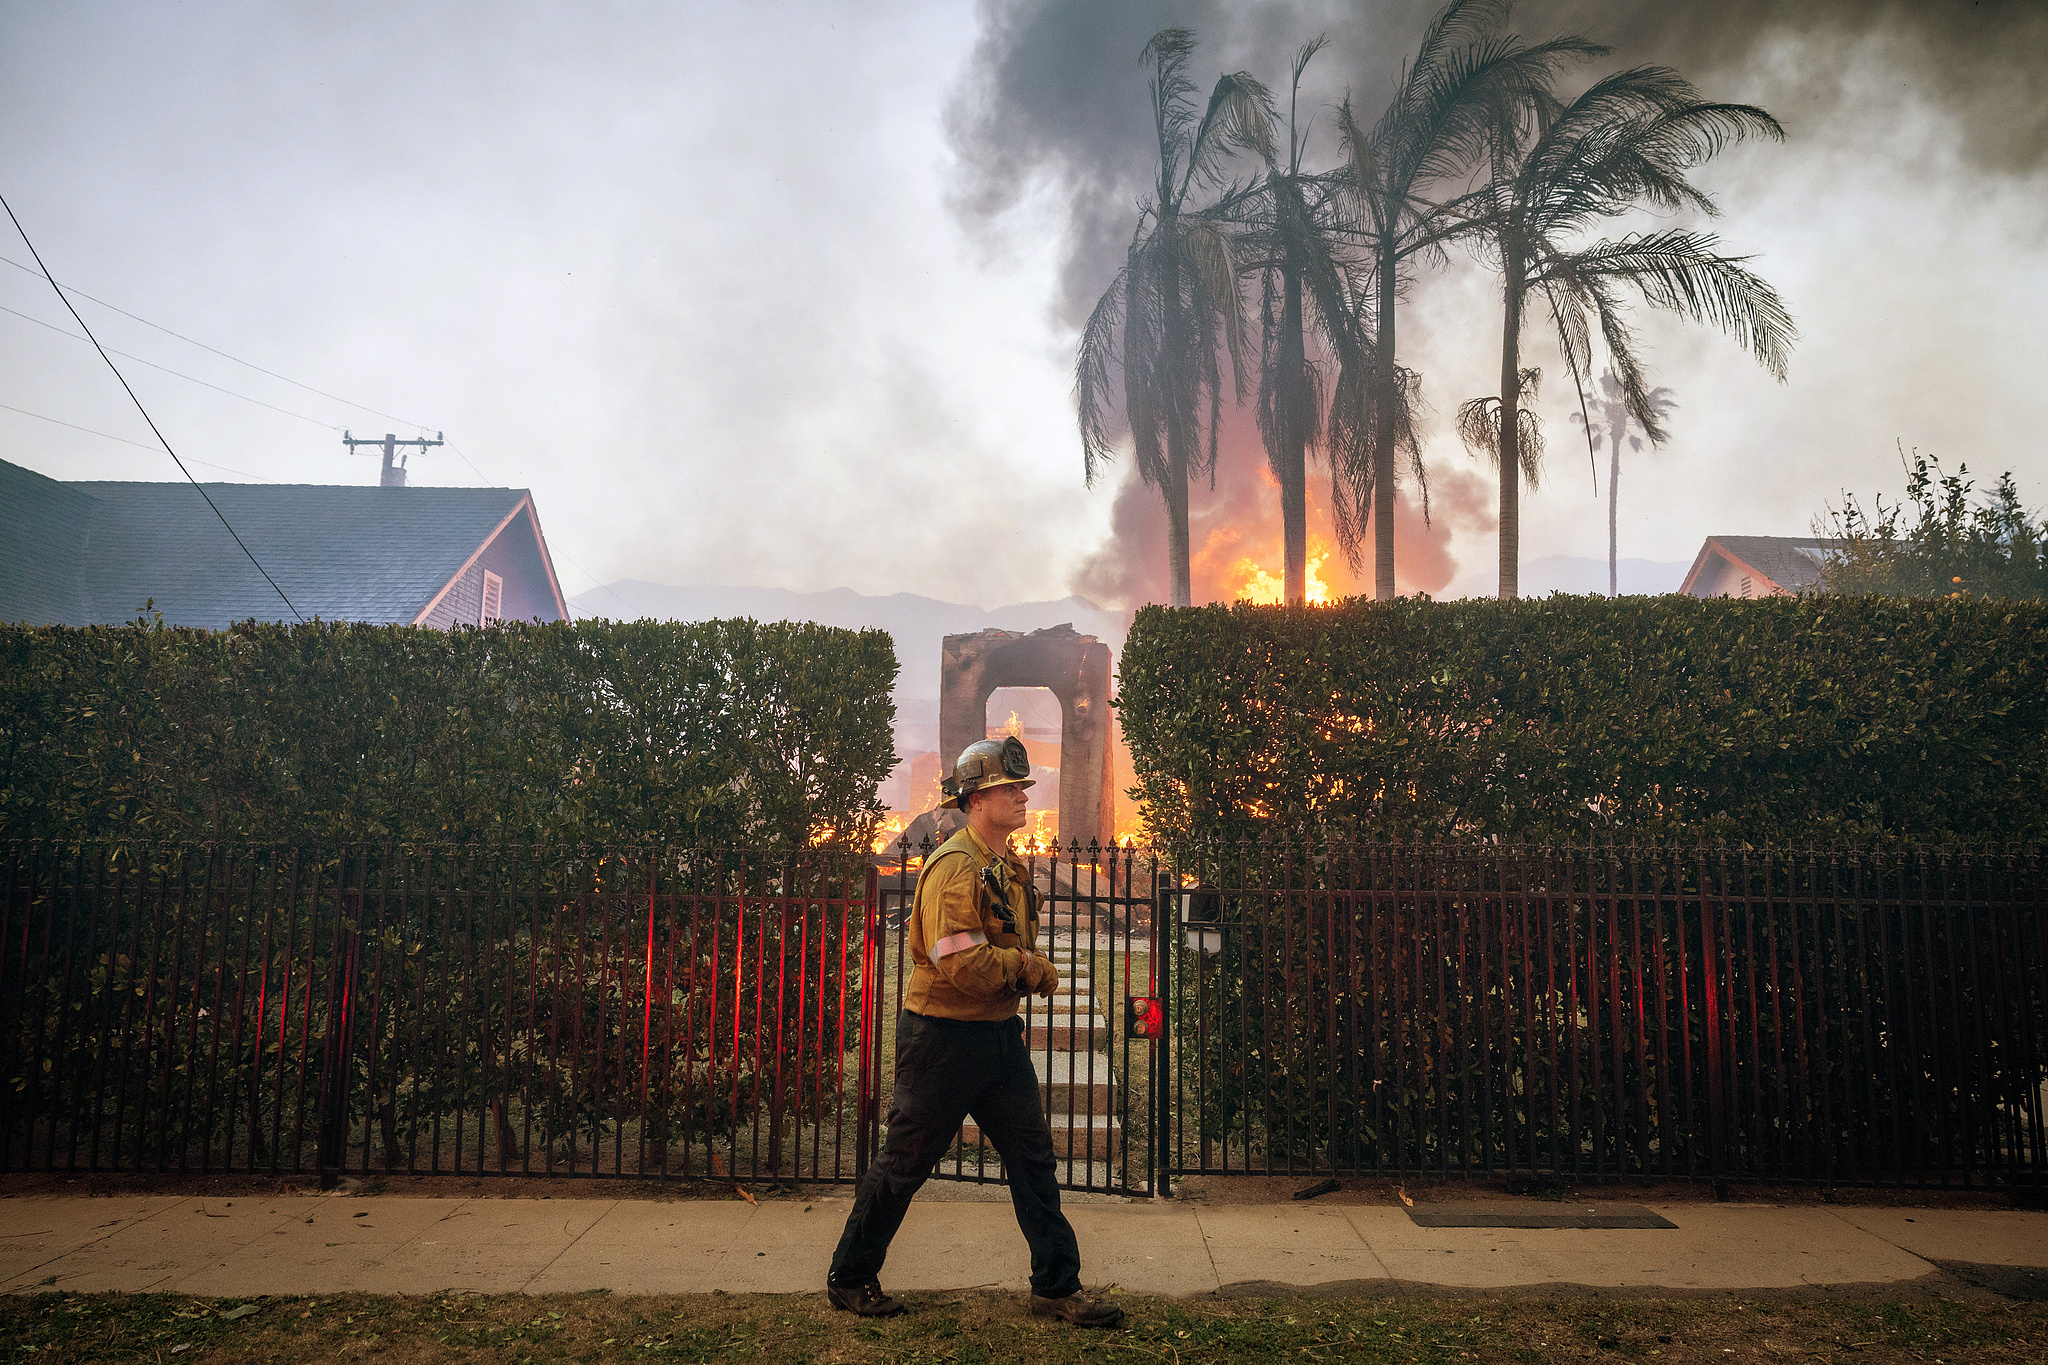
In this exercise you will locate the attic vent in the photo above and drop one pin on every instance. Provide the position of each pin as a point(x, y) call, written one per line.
point(494, 598)
point(1748, 588)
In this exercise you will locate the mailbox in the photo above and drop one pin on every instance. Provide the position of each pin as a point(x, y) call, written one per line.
point(1199, 909)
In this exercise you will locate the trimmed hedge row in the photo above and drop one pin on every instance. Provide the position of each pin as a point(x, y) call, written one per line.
point(1592, 719)
point(589, 731)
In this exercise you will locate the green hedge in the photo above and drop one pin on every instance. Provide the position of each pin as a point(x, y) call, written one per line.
point(592, 731)
point(1589, 719)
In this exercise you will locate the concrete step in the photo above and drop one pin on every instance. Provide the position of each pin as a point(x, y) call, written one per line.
point(1065, 1033)
point(1071, 1011)
point(1074, 1068)
point(1072, 1137)
point(1083, 1083)
point(1098, 1100)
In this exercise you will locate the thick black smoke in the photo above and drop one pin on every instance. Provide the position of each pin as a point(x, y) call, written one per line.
point(1054, 99)
point(1053, 103)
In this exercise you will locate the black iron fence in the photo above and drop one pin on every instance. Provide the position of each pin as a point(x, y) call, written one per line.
point(1828, 1016)
point(682, 1012)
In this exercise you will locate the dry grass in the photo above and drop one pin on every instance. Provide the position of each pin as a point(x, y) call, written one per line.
point(972, 1328)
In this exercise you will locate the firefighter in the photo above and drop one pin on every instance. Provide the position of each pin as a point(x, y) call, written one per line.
point(960, 1048)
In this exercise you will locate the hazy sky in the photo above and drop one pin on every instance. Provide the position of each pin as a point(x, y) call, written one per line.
point(786, 294)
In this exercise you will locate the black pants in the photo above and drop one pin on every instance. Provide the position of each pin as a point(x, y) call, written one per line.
point(947, 1069)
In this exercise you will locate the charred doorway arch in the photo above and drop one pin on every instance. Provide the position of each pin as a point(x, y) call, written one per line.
point(1074, 668)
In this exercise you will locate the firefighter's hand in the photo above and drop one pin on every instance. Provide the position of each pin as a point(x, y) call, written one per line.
point(1048, 977)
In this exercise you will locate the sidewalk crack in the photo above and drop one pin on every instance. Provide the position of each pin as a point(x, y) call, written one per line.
point(1214, 1273)
point(611, 1207)
point(1837, 1216)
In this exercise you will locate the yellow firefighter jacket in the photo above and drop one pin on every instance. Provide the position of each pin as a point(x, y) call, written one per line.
point(966, 962)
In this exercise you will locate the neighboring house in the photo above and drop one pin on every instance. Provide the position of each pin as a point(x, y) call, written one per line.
point(1757, 566)
point(93, 553)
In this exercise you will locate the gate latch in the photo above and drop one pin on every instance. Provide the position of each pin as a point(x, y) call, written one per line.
point(1145, 1016)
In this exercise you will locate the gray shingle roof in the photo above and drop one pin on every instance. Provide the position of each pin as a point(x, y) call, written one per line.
point(340, 553)
point(43, 526)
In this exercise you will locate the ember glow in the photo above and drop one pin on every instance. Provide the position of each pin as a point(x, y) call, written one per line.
point(1269, 589)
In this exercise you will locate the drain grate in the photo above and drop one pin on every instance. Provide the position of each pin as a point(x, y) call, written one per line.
point(1546, 1216)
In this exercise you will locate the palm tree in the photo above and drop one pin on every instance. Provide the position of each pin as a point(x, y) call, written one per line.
point(1175, 304)
point(1291, 246)
point(1466, 79)
point(1614, 412)
point(1627, 141)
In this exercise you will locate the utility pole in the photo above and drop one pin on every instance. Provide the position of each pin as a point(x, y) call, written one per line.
point(394, 473)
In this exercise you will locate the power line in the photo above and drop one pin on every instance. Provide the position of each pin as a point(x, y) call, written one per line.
point(139, 445)
point(250, 364)
point(331, 426)
point(141, 409)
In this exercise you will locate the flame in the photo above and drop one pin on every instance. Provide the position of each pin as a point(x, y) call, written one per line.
point(1012, 726)
point(888, 832)
point(1256, 585)
point(1041, 832)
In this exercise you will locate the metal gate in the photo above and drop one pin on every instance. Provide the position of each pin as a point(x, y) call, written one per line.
point(693, 1013)
point(1094, 1073)
point(1832, 1016)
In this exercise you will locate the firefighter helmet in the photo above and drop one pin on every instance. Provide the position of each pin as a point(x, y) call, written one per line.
point(987, 763)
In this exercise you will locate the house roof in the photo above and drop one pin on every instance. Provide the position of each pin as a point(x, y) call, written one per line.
point(340, 553)
point(42, 547)
point(1789, 563)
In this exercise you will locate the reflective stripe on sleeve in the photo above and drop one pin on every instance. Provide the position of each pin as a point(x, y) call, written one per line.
point(957, 943)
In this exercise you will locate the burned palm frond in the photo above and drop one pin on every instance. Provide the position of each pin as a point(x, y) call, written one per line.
point(1294, 241)
point(1479, 427)
point(1176, 303)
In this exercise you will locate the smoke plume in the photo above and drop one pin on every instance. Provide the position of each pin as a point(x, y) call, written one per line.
point(1052, 107)
point(1054, 94)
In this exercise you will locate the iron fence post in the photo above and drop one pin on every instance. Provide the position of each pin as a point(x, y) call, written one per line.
point(337, 1060)
point(1162, 1052)
point(1717, 1090)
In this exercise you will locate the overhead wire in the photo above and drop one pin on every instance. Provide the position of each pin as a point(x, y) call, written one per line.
point(474, 467)
point(62, 292)
point(139, 445)
point(54, 421)
point(331, 426)
point(250, 364)
point(25, 241)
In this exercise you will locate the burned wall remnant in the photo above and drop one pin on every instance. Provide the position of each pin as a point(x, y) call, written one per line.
point(1075, 668)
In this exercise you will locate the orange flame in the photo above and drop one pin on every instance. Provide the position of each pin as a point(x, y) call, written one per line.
point(1256, 585)
point(1041, 832)
point(887, 833)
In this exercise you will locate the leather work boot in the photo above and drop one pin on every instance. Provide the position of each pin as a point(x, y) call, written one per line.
point(867, 1299)
point(1079, 1310)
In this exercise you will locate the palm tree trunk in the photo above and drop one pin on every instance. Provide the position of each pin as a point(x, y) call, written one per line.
point(1511, 435)
point(1293, 461)
point(1176, 494)
point(1384, 430)
point(1180, 420)
point(1613, 487)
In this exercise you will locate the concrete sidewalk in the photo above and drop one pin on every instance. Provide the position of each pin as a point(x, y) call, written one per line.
point(395, 1245)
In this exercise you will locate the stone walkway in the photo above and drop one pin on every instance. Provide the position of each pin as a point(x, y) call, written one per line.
point(389, 1244)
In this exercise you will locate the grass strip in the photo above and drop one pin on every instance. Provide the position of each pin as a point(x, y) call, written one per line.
point(981, 1328)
